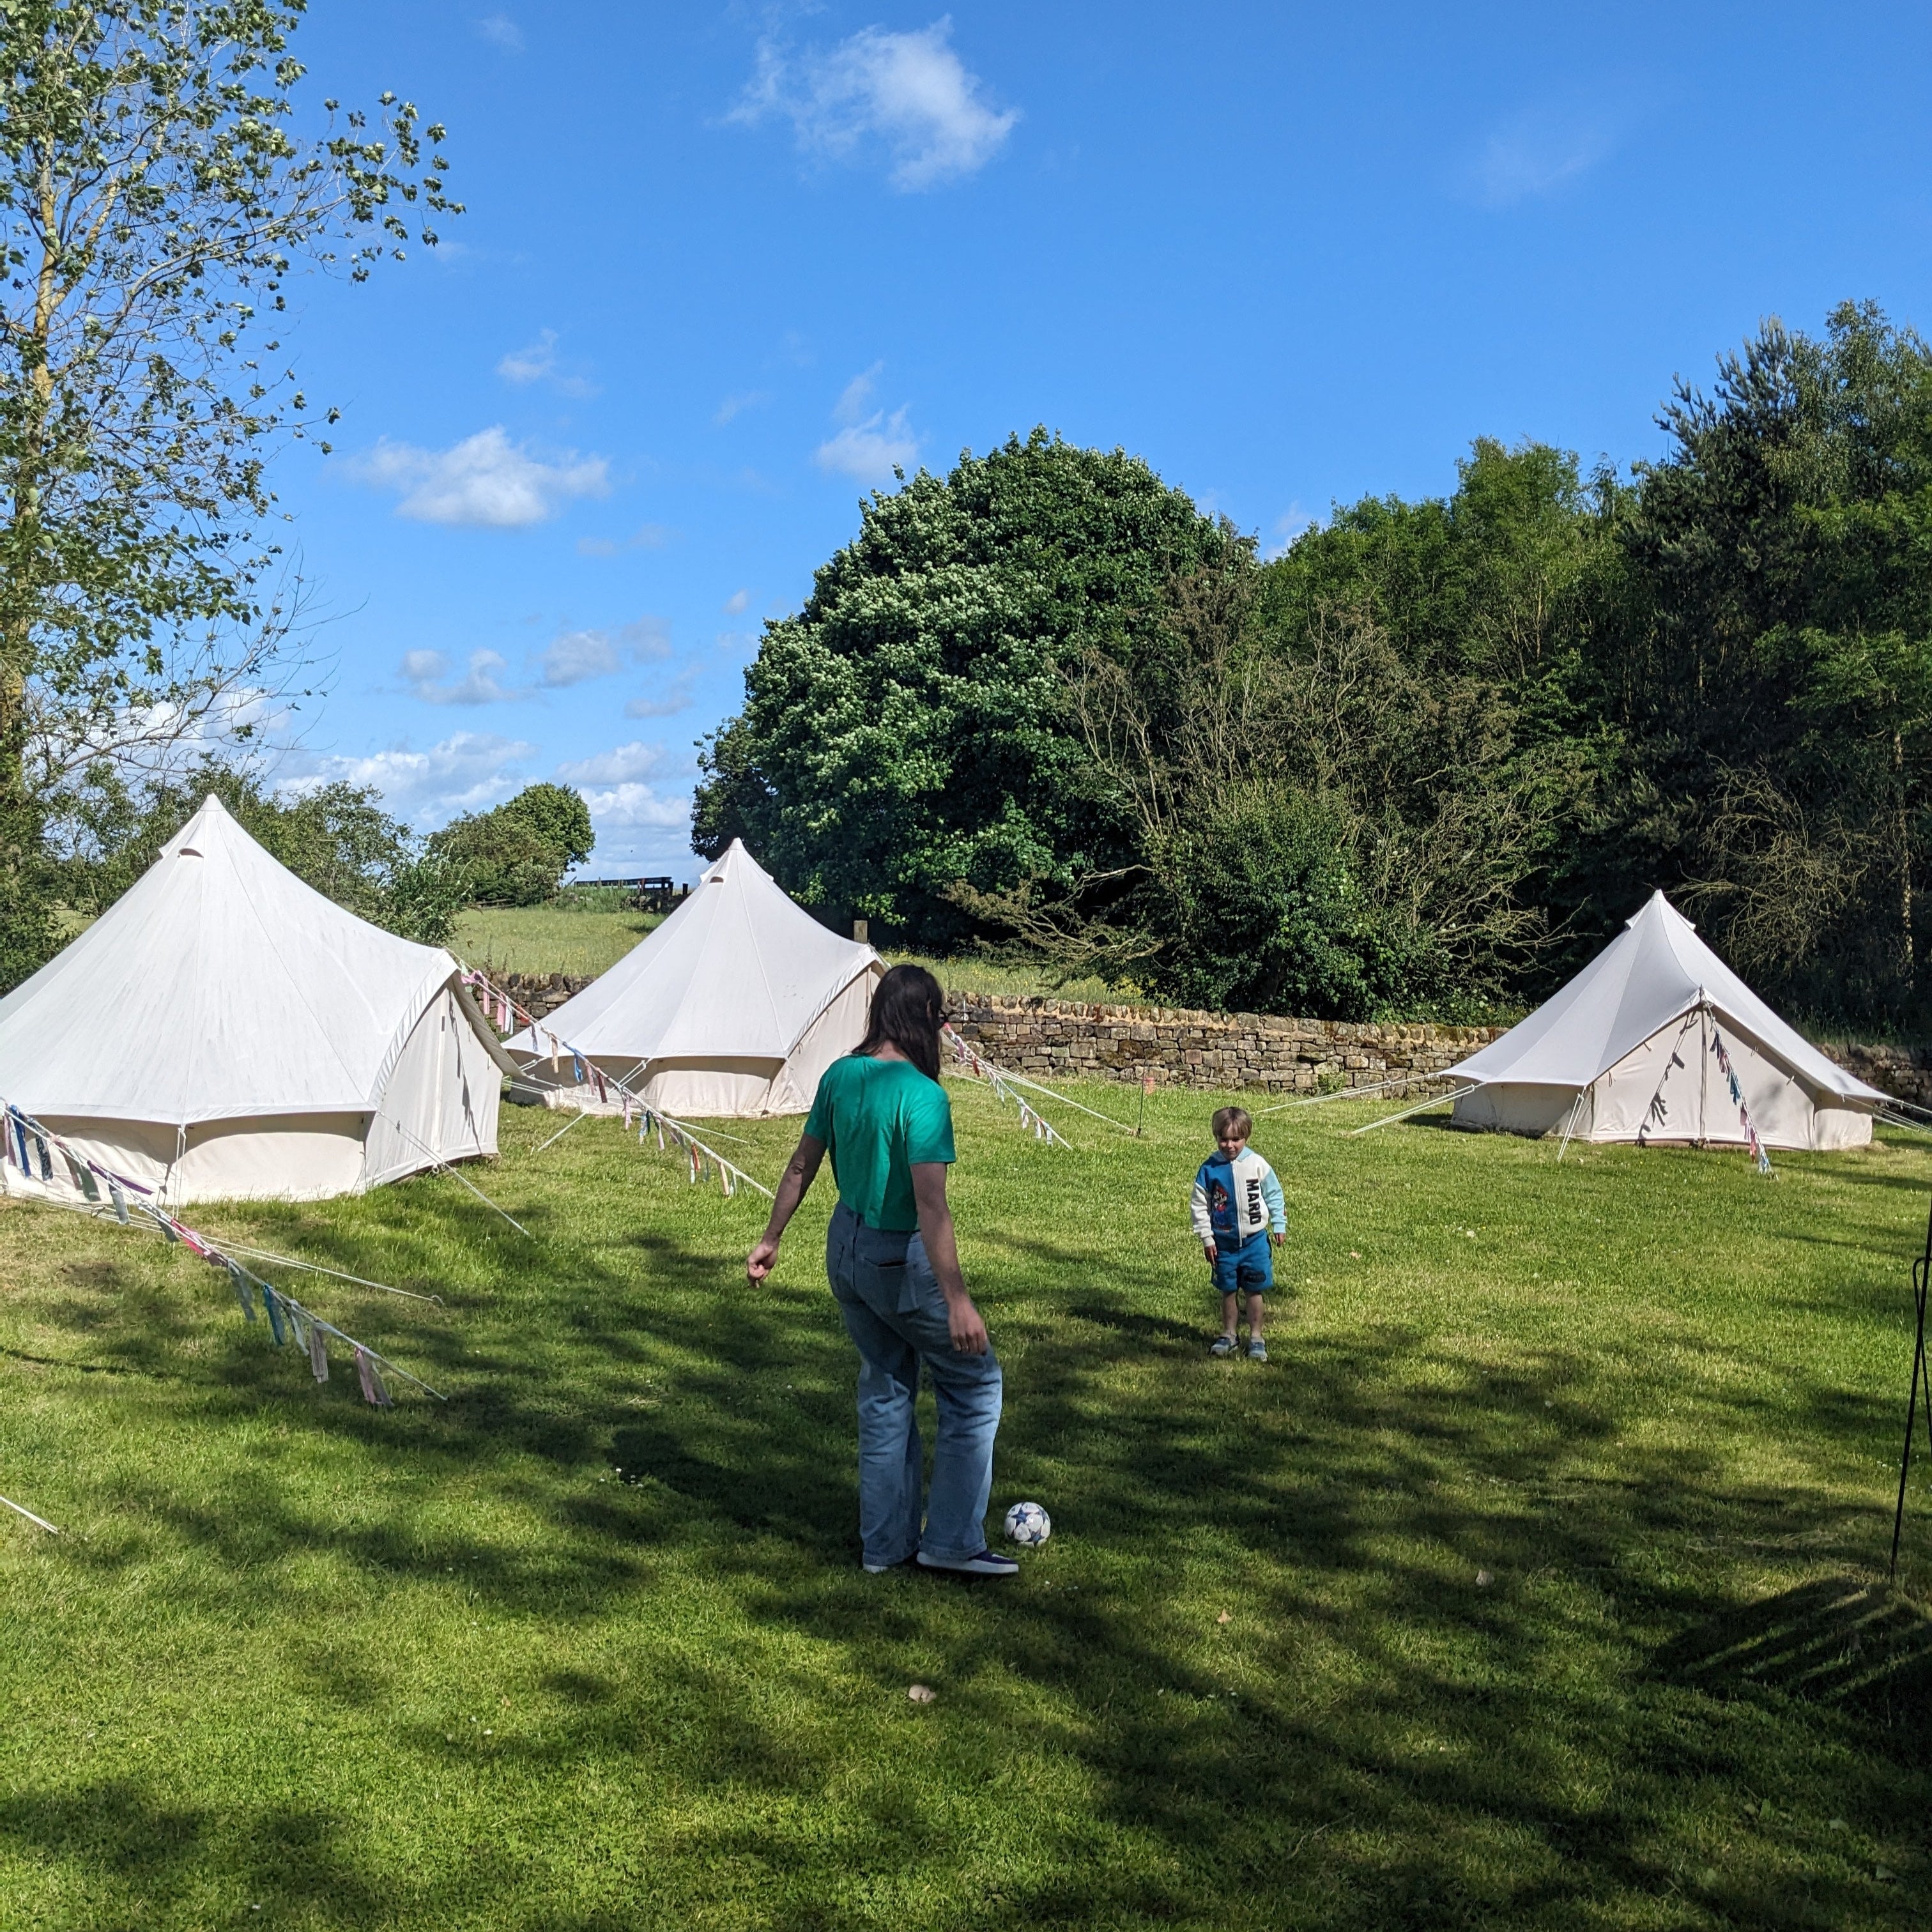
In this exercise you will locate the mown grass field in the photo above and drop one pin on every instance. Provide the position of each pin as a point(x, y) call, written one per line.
point(548, 939)
point(1530, 1584)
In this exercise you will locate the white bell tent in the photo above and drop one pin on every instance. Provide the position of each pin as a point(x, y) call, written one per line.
point(222, 1031)
point(733, 1007)
point(1628, 1050)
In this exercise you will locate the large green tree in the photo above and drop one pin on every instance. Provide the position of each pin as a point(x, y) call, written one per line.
point(517, 853)
point(1766, 661)
point(158, 191)
point(907, 734)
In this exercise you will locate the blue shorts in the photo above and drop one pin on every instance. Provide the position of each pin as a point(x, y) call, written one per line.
point(1245, 1270)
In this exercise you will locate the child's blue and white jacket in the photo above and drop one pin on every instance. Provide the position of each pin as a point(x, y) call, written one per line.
point(1235, 1200)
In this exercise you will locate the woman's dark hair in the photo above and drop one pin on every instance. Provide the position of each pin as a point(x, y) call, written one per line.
point(908, 1008)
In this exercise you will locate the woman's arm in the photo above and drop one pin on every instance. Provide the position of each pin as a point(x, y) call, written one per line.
point(792, 1185)
point(935, 1230)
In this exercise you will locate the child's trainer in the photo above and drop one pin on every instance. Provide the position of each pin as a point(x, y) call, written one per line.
point(1238, 1215)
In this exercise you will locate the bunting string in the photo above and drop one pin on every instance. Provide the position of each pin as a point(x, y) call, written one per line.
point(287, 1318)
point(701, 1161)
point(18, 1510)
point(1730, 1074)
point(968, 1061)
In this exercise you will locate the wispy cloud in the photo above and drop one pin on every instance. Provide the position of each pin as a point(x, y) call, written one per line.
point(1537, 153)
point(538, 363)
point(666, 702)
point(576, 657)
point(466, 771)
point(908, 95)
point(533, 364)
point(428, 674)
point(1288, 526)
point(500, 31)
point(736, 405)
point(737, 603)
point(649, 536)
point(485, 481)
point(869, 447)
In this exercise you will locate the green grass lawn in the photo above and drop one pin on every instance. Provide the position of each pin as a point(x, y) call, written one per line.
point(1529, 1584)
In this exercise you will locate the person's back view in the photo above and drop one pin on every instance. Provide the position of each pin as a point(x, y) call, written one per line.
point(894, 1268)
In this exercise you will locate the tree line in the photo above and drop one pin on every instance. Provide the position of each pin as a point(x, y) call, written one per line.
point(1423, 763)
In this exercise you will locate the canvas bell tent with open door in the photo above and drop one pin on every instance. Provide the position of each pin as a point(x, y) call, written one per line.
point(1628, 1050)
point(732, 1008)
point(222, 1031)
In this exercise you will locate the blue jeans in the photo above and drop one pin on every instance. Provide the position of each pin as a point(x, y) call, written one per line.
point(895, 1315)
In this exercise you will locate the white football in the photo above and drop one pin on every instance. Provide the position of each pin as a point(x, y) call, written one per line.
point(1028, 1523)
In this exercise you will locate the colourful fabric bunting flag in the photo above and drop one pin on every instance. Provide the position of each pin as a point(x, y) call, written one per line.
point(373, 1392)
point(318, 1352)
point(272, 1302)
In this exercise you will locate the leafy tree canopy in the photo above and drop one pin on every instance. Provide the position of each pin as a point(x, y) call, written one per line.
point(518, 853)
point(157, 195)
point(907, 733)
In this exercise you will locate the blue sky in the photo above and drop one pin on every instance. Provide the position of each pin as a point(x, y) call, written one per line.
point(723, 266)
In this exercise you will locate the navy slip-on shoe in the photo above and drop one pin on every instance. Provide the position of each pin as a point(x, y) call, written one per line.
point(987, 1563)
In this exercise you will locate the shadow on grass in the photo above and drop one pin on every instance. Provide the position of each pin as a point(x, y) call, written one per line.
point(1456, 1685)
point(1842, 1642)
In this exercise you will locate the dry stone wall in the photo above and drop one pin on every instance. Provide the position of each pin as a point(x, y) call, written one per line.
point(1077, 1039)
point(540, 993)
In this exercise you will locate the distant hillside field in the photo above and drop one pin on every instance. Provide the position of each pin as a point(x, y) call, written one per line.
point(549, 939)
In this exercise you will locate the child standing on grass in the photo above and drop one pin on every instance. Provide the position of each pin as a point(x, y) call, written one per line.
point(1238, 1215)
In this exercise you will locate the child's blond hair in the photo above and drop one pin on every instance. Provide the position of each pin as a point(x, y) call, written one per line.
point(1233, 1123)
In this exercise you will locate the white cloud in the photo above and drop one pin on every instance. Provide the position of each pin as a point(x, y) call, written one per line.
point(485, 481)
point(625, 765)
point(531, 364)
point(734, 405)
point(480, 684)
point(908, 93)
point(469, 771)
point(630, 806)
point(575, 657)
point(500, 31)
point(869, 451)
point(649, 536)
point(1535, 154)
point(737, 602)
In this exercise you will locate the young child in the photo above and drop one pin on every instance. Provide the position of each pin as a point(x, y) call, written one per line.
point(1238, 1215)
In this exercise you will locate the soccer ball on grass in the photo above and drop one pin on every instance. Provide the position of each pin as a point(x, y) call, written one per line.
point(1028, 1523)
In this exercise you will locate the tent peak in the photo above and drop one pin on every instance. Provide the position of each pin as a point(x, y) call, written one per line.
point(1658, 902)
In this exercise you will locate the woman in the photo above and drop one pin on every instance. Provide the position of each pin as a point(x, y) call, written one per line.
point(882, 1115)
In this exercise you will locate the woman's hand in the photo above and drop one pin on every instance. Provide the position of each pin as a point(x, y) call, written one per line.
point(793, 1184)
point(963, 1323)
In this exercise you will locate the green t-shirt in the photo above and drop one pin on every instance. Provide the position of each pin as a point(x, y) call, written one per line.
point(877, 1118)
